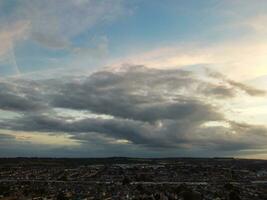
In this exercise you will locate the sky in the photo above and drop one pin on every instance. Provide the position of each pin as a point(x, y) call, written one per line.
point(140, 78)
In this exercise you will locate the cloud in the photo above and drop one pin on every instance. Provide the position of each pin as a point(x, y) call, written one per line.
point(9, 35)
point(135, 94)
point(243, 87)
point(56, 23)
point(241, 59)
point(55, 26)
point(135, 107)
point(20, 97)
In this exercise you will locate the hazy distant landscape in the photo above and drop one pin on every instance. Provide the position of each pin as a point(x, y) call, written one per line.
point(133, 178)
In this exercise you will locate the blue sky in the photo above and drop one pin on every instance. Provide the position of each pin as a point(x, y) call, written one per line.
point(121, 27)
point(46, 44)
point(42, 38)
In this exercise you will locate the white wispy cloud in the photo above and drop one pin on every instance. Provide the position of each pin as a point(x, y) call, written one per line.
point(9, 35)
point(55, 23)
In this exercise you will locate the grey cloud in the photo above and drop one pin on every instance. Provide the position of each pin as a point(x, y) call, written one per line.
point(20, 97)
point(134, 131)
point(137, 93)
point(236, 137)
point(218, 91)
point(236, 85)
point(180, 134)
point(153, 109)
point(248, 89)
point(140, 94)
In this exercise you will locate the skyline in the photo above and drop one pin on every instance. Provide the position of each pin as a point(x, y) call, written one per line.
point(88, 78)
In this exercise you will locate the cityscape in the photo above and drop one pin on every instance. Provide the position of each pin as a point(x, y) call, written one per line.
point(133, 100)
point(121, 178)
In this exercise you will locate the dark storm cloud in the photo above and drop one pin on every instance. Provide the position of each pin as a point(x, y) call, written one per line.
point(141, 94)
point(20, 96)
point(170, 133)
point(138, 93)
point(166, 109)
point(181, 134)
